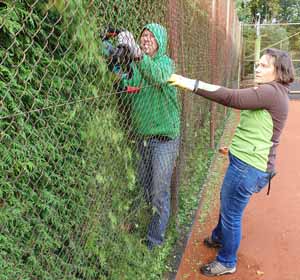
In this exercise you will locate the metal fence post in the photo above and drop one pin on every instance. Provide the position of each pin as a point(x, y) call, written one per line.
point(174, 47)
point(214, 77)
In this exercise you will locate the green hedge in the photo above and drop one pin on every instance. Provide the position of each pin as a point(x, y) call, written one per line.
point(67, 174)
point(70, 207)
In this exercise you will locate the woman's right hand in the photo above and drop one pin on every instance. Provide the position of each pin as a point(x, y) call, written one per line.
point(182, 82)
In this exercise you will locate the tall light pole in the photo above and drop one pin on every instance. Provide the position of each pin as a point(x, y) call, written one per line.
point(257, 41)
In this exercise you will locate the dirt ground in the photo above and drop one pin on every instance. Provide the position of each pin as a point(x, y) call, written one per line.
point(270, 247)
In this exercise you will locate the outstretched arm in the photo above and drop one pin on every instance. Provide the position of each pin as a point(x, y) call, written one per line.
point(249, 98)
point(190, 84)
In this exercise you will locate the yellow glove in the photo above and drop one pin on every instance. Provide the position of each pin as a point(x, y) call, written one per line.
point(190, 84)
point(182, 82)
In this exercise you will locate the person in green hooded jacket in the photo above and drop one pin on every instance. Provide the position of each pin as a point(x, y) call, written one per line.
point(155, 117)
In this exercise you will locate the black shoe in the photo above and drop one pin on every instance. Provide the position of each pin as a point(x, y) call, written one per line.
point(208, 242)
point(215, 268)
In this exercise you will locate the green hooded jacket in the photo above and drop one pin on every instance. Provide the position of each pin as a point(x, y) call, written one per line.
point(155, 109)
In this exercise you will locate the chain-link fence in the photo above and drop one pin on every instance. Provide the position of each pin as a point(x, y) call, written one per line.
point(77, 116)
point(285, 36)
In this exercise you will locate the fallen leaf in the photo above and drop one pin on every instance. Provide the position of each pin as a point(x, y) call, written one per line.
point(258, 272)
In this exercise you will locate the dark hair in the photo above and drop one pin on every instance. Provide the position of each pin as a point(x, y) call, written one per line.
point(284, 69)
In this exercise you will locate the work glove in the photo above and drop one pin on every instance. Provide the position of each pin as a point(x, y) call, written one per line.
point(182, 82)
point(190, 84)
point(125, 38)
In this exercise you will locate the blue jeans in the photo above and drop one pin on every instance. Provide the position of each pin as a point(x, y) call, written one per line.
point(155, 172)
point(240, 182)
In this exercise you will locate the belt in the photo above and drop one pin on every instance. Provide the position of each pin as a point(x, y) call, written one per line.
point(160, 138)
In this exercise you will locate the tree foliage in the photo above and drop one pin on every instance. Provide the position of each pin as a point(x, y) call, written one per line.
point(281, 10)
point(290, 11)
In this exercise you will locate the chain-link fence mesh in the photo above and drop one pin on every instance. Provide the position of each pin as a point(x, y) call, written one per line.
point(281, 36)
point(78, 116)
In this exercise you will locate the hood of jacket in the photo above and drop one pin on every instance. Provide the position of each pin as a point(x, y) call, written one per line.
point(161, 36)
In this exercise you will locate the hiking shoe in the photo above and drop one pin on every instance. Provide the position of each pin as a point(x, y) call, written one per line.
point(215, 268)
point(208, 242)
